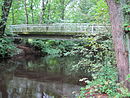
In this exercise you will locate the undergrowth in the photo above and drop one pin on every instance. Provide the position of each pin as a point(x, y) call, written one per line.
point(7, 48)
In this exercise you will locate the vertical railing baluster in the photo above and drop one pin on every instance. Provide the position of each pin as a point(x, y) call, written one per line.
point(92, 29)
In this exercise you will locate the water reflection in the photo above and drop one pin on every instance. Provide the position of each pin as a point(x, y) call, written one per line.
point(26, 88)
point(45, 77)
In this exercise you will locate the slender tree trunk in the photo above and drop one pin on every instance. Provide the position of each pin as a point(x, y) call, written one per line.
point(118, 40)
point(5, 12)
point(26, 12)
point(63, 9)
point(32, 11)
point(42, 12)
point(63, 6)
point(12, 10)
point(48, 16)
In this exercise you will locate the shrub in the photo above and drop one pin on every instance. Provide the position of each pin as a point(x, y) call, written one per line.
point(95, 51)
point(99, 63)
point(52, 47)
point(7, 48)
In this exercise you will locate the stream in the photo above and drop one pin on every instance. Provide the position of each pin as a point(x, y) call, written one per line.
point(39, 77)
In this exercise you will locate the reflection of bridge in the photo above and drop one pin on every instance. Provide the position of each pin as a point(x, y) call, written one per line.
point(25, 83)
point(57, 30)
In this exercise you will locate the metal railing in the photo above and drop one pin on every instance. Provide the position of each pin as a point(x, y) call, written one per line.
point(60, 27)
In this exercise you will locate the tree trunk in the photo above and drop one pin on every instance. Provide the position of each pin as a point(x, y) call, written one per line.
point(5, 12)
point(63, 9)
point(118, 40)
point(64, 3)
point(48, 16)
point(26, 12)
point(12, 10)
point(32, 11)
point(42, 12)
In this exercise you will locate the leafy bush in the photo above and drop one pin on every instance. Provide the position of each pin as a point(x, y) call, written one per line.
point(7, 47)
point(105, 83)
point(98, 63)
point(95, 51)
point(52, 47)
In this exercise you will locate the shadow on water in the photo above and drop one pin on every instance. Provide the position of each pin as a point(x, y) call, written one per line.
point(38, 77)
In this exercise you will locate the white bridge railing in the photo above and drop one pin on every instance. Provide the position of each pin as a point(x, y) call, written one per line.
point(60, 27)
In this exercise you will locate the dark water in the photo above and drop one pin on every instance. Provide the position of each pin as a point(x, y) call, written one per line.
point(38, 77)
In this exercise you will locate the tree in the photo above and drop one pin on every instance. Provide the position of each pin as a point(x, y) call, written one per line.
point(31, 7)
point(5, 12)
point(26, 11)
point(63, 9)
point(13, 15)
point(63, 5)
point(117, 20)
point(43, 7)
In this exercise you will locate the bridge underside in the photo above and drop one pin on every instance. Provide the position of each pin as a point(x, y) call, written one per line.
point(50, 36)
point(56, 30)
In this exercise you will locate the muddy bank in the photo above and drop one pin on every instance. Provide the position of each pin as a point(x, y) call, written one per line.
point(26, 52)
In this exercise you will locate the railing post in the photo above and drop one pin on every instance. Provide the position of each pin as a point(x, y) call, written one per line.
point(92, 29)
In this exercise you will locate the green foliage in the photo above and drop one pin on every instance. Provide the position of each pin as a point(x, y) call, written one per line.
point(97, 60)
point(1, 3)
point(59, 11)
point(117, 1)
point(95, 51)
point(105, 83)
point(102, 14)
point(126, 28)
point(126, 9)
point(128, 77)
point(98, 63)
point(52, 47)
point(90, 11)
point(7, 47)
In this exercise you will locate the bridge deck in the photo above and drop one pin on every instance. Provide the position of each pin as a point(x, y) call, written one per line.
point(57, 29)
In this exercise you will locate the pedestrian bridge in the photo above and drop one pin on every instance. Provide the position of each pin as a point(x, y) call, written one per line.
point(58, 30)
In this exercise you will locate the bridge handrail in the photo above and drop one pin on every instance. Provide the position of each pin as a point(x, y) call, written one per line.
point(58, 27)
point(19, 26)
point(61, 24)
